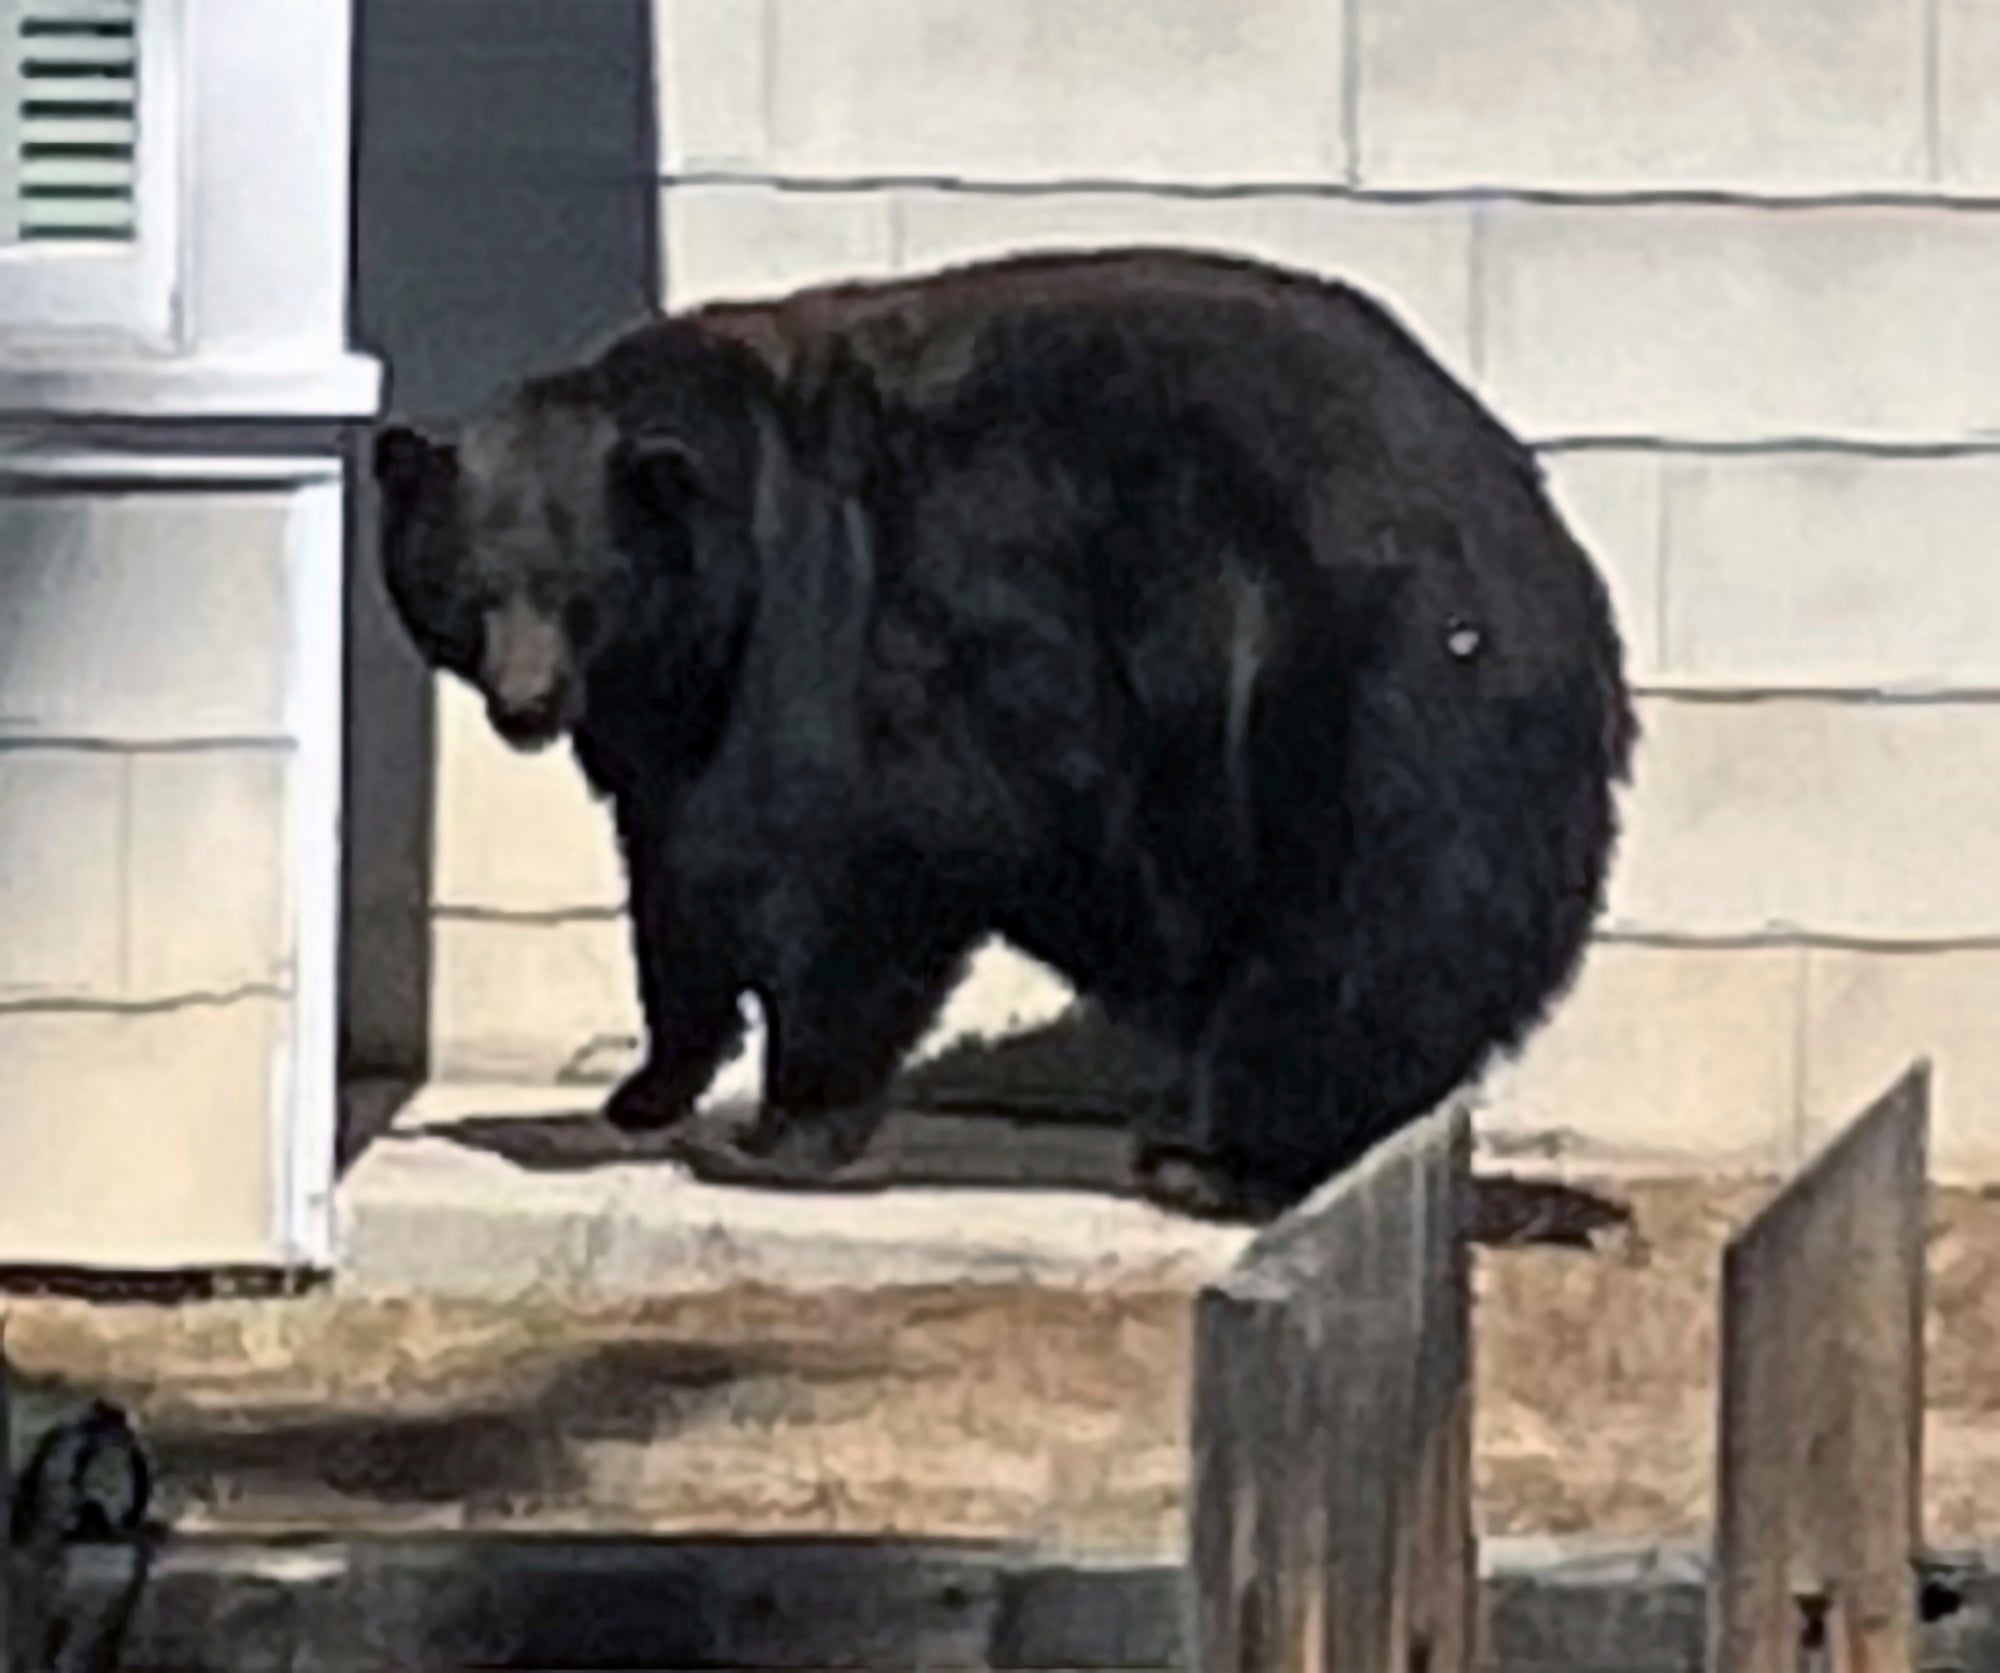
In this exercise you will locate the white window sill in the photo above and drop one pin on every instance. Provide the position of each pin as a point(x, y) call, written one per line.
point(344, 387)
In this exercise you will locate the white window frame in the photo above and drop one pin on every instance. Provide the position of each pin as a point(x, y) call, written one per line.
point(60, 298)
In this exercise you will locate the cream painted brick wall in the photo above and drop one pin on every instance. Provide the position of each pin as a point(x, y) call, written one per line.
point(713, 73)
point(1688, 1053)
point(200, 1068)
point(1754, 1059)
point(517, 1000)
point(143, 617)
point(1591, 94)
point(1054, 89)
point(61, 881)
point(1968, 71)
point(143, 878)
point(1732, 323)
point(1842, 819)
point(1834, 571)
point(1612, 503)
point(516, 832)
point(726, 241)
point(1868, 1014)
point(209, 890)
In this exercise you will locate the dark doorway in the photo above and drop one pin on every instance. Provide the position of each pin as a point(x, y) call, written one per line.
point(507, 190)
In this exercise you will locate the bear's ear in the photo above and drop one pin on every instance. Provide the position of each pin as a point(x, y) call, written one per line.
point(404, 458)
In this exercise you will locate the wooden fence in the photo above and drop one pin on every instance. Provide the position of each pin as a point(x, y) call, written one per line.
point(1331, 1507)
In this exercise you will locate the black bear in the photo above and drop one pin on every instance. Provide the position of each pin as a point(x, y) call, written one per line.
point(1174, 616)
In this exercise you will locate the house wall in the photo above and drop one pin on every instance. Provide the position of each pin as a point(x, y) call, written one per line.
point(170, 542)
point(1726, 263)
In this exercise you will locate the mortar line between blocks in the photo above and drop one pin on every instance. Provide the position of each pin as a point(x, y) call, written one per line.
point(126, 858)
point(1349, 35)
point(1933, 73)
point(1663, 545)
point(899, 233)
point(767, 72)
point(1476, 265)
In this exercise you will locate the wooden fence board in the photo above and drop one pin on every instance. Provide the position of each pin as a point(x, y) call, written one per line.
point(1820, 1431)
point(1330, 1504)
point(8, 1662)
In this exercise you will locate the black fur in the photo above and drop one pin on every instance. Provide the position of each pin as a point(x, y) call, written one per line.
point(1175, 617)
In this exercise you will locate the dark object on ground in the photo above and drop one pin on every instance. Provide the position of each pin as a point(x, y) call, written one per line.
point(1510, 1213)
point(87, 1485)
point(1173, 616)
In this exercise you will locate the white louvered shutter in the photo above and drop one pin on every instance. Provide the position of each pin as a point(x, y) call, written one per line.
point(69, 73)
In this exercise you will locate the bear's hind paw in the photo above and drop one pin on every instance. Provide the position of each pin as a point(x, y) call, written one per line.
point(793, 1162)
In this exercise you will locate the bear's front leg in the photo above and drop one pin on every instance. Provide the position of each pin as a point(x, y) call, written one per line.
point(687, 995)
point(835, 1038)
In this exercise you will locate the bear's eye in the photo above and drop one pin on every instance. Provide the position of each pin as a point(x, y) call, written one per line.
point(580, 620)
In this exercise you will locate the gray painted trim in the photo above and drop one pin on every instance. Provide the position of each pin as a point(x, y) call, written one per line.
point(342, 387)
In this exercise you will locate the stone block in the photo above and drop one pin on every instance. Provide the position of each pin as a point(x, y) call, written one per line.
point(1829, 570)
point(163, 1121)
point(1833, 818)
point(726, 242)
point(1679, 1054)
point(146, 616)
point(1575, 95)
point(209, 872)
point(1870, 1014)
point(514, 1000)
point(1714, 322)
point(62, 822)
point(1057, 89)
point(516, 832)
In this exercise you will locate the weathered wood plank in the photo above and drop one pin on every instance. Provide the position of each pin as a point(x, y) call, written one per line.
point(1820, 1436)
point(1331, 1517)
point(8, 1662)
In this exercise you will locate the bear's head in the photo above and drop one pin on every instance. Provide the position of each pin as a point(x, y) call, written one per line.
point(632, 507)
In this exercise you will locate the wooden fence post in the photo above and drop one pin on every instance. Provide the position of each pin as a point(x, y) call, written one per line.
point(1819, 1477)
point(1331, 1504)
point(8, 1662)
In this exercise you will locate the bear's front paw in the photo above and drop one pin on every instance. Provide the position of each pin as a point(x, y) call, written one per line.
point(648, 1102)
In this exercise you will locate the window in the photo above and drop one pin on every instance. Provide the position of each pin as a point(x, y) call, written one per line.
point(88, 170)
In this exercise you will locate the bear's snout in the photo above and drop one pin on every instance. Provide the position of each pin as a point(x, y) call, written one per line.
point(527, 677)
point(528, 728)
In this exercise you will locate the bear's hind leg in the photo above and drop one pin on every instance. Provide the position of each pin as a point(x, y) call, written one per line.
point(1184, 1159)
